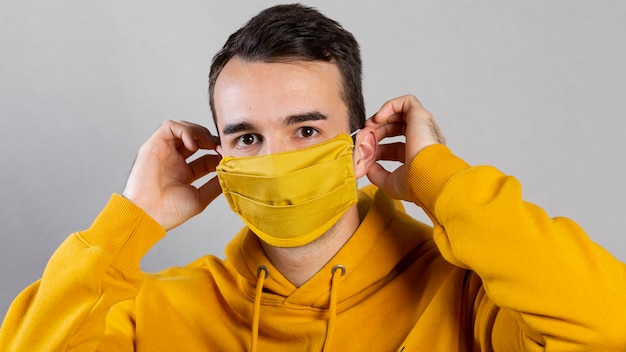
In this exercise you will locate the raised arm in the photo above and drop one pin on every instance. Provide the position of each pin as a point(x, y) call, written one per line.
point(556, 289)
point(95, 269)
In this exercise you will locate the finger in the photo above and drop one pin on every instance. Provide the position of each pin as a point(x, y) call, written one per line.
point(201, 135)
point(186, 153)
point(390, 183)
point(202, 166)
point(421, 128)
point(378, 176)
point(395, 109)
point(192, 136)
point(209, 191)
point(380, 119)
point(183, 151)
point(391, 152)
point(186, 137)
point(390, 130)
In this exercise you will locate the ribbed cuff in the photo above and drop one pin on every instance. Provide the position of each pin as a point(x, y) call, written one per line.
point(429, 172)
point(124, 230)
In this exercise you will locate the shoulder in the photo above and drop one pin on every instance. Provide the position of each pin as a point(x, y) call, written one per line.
point(202, 270)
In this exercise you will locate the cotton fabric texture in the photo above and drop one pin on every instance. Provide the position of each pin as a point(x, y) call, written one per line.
point(290, 199)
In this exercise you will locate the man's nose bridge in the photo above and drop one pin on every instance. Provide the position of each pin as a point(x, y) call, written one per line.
point(275, 145)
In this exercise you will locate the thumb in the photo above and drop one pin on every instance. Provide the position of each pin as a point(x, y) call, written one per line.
point(393, 184)
point(378, 175)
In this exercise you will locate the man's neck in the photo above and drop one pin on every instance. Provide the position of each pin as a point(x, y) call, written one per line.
point(299, 264)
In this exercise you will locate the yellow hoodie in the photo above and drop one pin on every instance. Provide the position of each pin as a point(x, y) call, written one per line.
point(512, 280)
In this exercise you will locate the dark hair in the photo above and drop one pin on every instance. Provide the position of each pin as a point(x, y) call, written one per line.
point(294, 32)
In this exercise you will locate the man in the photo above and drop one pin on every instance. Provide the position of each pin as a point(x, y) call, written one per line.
point(320, 265)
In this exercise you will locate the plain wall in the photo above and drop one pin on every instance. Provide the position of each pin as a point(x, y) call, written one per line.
point(535, 88)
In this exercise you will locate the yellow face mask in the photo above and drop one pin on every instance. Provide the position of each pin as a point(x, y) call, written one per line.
point(290, 199)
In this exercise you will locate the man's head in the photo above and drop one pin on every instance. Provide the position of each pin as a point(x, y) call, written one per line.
point(284, 91)
point(294, 33)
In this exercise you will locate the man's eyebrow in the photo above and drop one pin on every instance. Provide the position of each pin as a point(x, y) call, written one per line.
point(309, 116)
point(237, 127)
point(289, 120)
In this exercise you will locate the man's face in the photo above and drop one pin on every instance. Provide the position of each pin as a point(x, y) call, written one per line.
point(265, 108)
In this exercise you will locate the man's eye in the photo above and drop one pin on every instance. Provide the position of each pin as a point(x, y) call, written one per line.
point(307, 132)
point(247, 139)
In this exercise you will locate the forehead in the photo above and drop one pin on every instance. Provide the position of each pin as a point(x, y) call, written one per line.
point(261, 90)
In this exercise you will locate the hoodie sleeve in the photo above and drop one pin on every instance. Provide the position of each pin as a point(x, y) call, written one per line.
point(90, 272)
point(555, 288)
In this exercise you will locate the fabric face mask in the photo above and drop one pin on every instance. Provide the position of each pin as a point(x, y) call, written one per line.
point(290, 199)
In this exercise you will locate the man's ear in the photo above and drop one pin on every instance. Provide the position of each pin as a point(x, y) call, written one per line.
point(365, 150)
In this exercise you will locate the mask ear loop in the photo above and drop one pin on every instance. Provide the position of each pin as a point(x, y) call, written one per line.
point(353, 135)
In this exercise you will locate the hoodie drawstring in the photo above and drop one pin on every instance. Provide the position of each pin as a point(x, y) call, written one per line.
point(337, 272)
point(257, 305)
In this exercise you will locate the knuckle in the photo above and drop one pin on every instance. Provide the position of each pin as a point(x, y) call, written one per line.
point(169, 124)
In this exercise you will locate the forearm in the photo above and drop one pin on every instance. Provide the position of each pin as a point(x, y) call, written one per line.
point(90, 272)
point(567, 290)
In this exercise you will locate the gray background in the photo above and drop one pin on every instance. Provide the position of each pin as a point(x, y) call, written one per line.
point(535, 88)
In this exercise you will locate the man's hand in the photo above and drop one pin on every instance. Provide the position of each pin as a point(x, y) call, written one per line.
point(403, 116)
point(160, 180)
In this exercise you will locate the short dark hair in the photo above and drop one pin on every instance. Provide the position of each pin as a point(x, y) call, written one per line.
point(293, 32)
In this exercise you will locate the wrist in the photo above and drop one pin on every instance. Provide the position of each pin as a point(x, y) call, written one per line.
point(430, 171)
point(124, 230)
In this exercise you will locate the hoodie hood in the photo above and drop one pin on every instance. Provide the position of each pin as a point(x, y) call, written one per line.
point(372, 257)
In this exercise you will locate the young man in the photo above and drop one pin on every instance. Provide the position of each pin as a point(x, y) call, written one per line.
point(320, 265)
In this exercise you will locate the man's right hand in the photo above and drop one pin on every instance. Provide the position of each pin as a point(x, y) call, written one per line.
point(405, 116)
point(160, 181)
